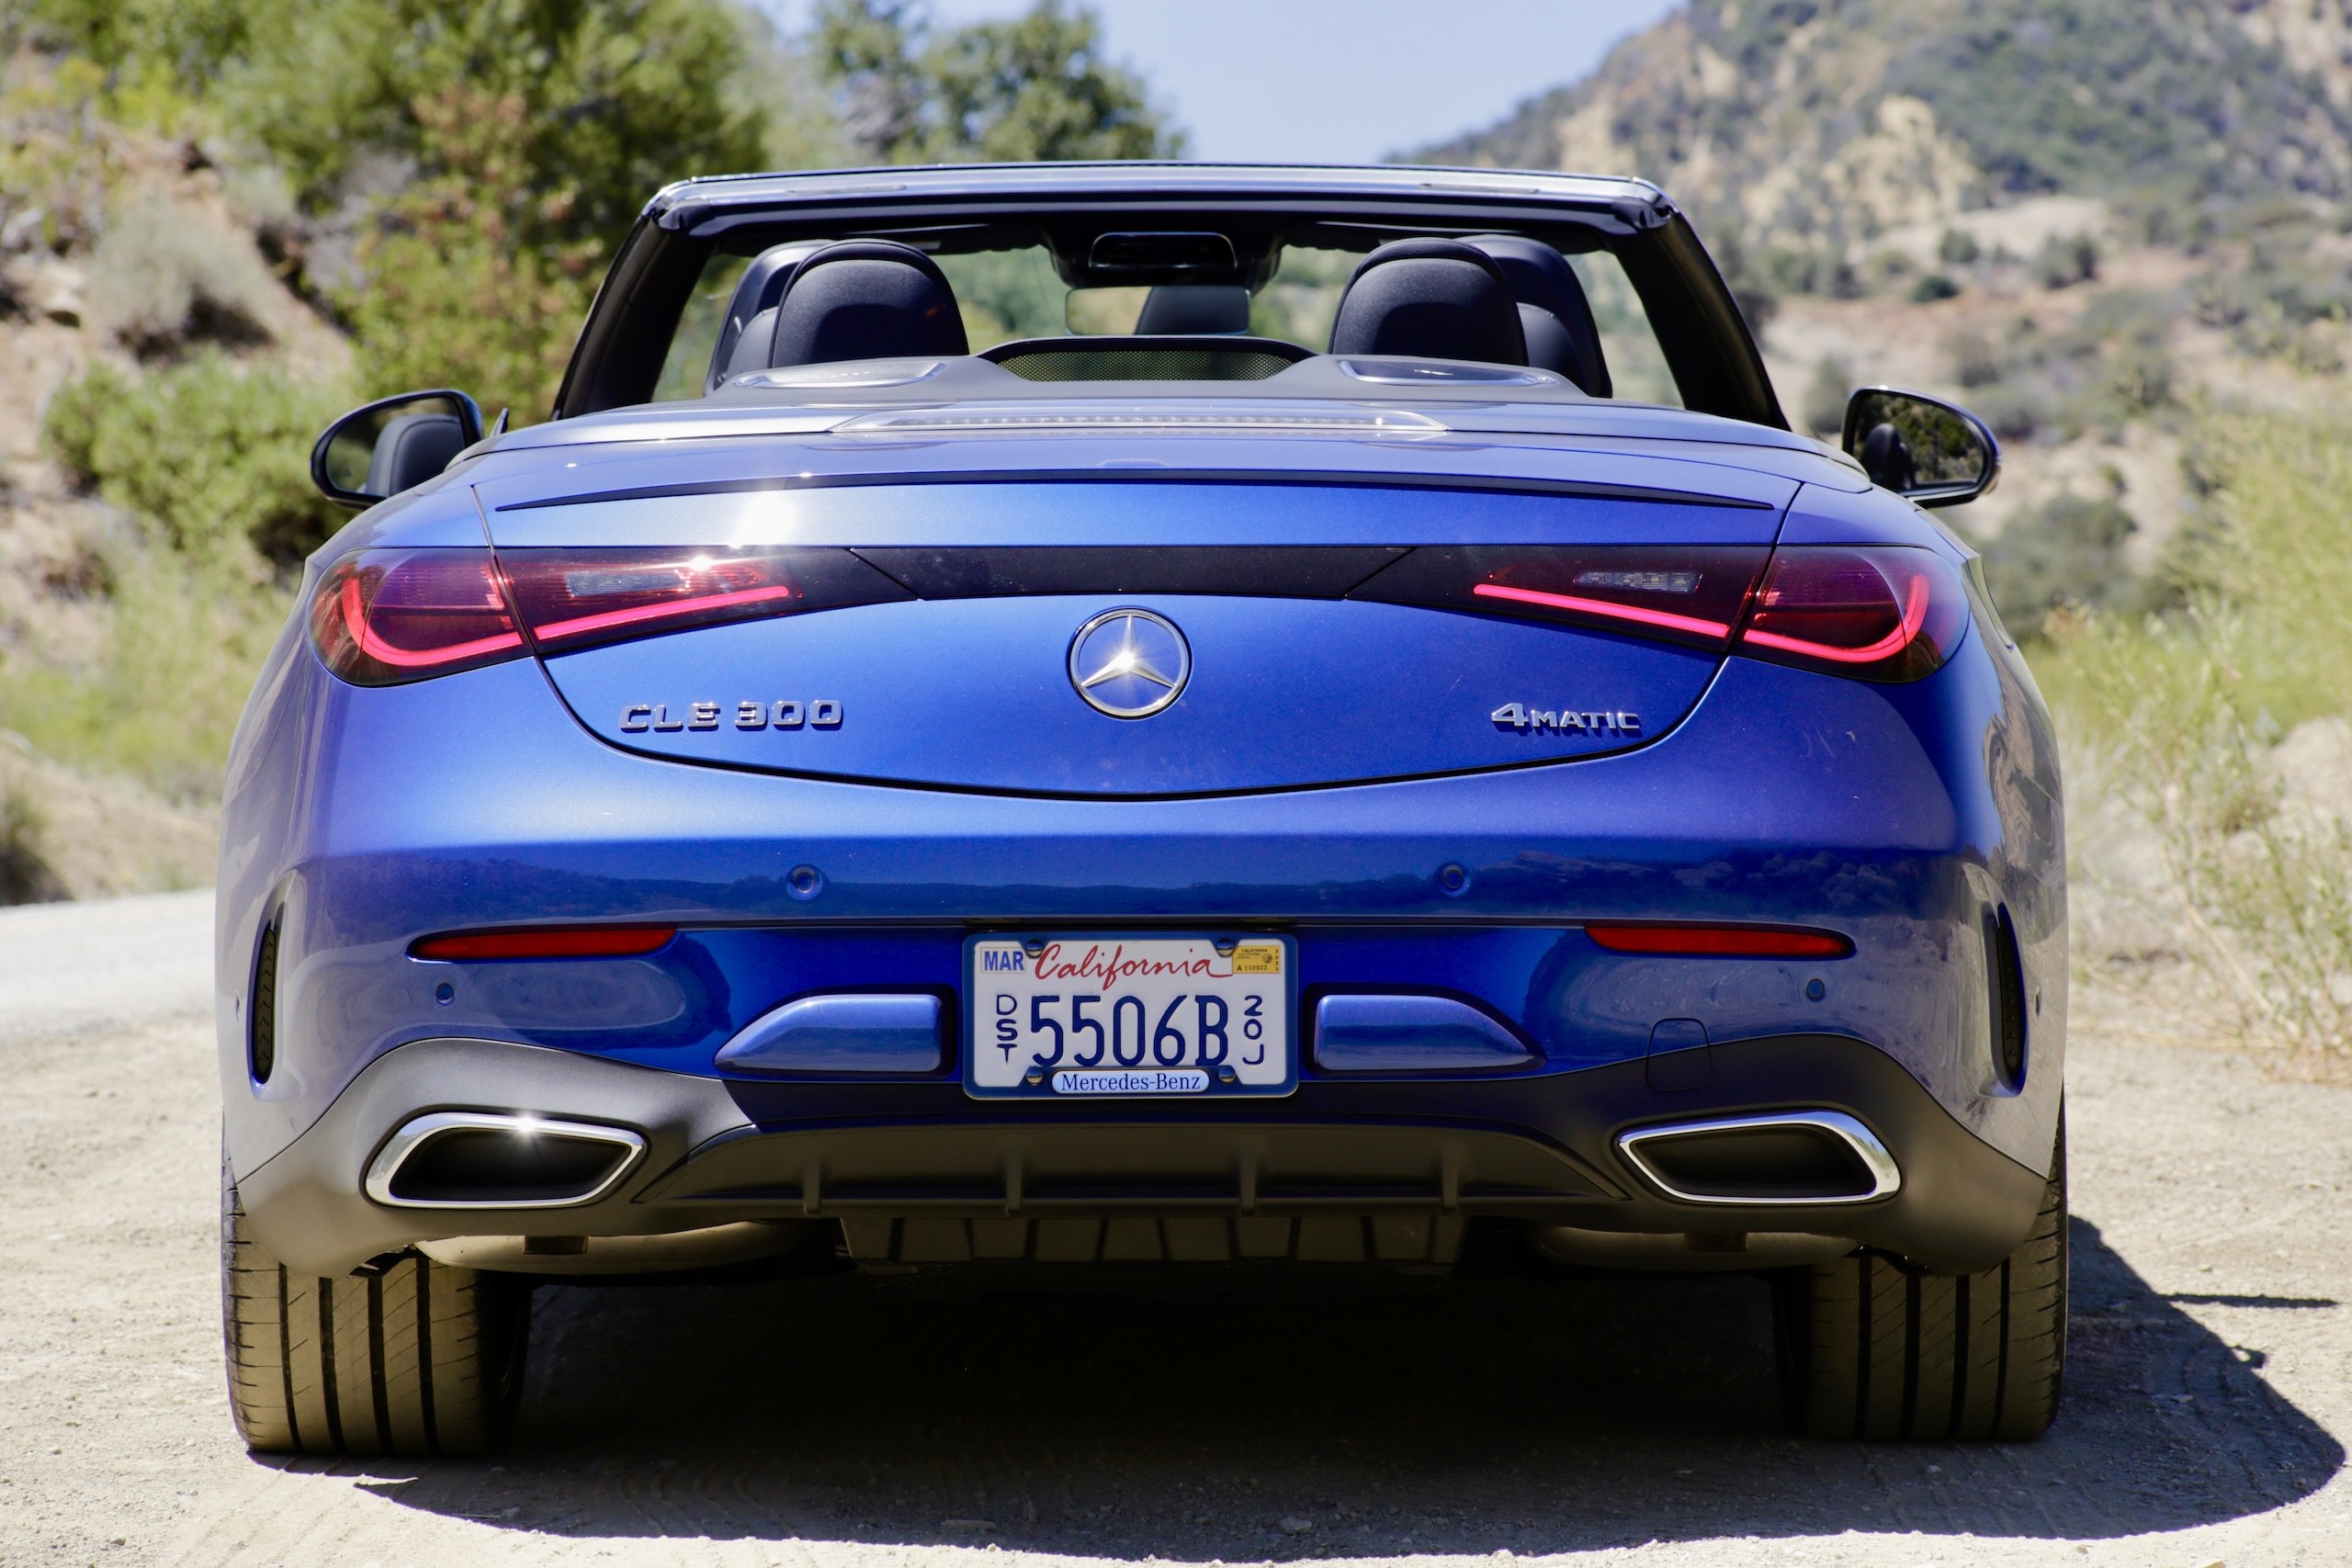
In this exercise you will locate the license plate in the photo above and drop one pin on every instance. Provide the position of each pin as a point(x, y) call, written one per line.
point(1118, 1016)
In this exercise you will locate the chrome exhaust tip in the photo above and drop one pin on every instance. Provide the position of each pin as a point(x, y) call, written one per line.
point(1780, 1158)
point(481, 1159)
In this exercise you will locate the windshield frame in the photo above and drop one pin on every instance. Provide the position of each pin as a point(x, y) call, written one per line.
point(1708, 348)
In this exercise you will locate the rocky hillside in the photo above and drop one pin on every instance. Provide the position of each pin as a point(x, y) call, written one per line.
point(2088, 219)
point(1830, 124)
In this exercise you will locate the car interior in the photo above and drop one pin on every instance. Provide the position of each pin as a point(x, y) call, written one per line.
point(1494, 299)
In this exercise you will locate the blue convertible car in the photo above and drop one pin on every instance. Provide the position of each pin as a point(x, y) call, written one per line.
point(1216, 717)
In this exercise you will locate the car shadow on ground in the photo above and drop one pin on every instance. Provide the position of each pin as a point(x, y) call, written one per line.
point(1200, 1418)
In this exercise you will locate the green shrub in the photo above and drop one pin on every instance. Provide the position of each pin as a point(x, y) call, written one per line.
point(1976, 362)
point(2066, 553)
point(2015, 413)
point(164, 277)
point(160, 704)
point(24, 875)
point(521, 138)
point(2191, 704)
point(1034, 87)
point(2066, 260)
point(214, 455)
point(1932, 287)
point(1824, 408)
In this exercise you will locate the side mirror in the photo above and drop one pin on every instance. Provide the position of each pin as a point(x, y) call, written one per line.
point(392, 445)
point(1921, 447)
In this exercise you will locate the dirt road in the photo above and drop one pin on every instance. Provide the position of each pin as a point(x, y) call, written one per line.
point(902, 1422)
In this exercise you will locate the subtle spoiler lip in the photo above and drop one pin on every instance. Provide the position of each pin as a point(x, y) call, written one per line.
point(1319, 478)
point(699, 421)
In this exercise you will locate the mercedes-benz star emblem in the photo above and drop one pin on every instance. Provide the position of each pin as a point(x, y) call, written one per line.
point(1129, 663)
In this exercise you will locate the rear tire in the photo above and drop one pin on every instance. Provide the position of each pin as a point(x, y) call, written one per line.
point(1870, 1347)
point(420, 1359)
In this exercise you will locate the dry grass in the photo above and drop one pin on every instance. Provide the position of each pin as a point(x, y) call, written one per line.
point(160, 704)
point(2211, 762)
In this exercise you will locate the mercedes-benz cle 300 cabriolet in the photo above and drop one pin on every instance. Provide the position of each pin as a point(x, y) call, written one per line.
point(1204, 718)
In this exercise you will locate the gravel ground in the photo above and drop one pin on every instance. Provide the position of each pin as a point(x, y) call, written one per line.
point(906, 1420)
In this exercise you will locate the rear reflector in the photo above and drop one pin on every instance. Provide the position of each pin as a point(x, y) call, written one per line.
point(381, 617)
point(577, 942)
point(1721, 941)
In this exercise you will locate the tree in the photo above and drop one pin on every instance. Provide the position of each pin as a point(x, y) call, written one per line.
point(488, 154)
point(1036, 88)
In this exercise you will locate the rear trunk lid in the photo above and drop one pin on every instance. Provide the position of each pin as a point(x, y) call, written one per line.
point(1154, 630)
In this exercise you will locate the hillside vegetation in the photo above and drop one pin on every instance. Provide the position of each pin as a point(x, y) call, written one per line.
point(2121, 230)
point(223, 222)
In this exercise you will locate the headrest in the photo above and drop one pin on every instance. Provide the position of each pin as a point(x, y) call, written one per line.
point(1193, 310)
point(756, 292)
point(1437, 298)
point(411, 449)
point(865, 299)
point(1553, 310)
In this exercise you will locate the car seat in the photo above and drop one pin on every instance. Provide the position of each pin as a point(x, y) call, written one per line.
point(865, 299)
point(756, 291)
point(412, 448)
point(1553, 313)
point(1435, 298)
point(847, 300)
point(1193, 309)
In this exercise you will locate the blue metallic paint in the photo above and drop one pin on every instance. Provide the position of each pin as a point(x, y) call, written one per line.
point(975, 694)
point(835, 1034)
point(1390, 1031)
point(374, 815)
point(1122, 509)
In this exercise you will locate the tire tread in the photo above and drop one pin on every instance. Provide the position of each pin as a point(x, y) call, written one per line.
point(420, 1360)
point(1872, 1347)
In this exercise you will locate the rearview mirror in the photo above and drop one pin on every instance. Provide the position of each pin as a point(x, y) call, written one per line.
point(392, 445)
point(1921, 447)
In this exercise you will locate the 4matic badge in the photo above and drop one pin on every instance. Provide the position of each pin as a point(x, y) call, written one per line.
point(1513, 716)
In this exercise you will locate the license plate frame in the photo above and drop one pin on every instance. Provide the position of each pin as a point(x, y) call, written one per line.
point(993, 1070)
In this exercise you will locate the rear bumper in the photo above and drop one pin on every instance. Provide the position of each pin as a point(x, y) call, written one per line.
point(941, 1178)
point(360, 819)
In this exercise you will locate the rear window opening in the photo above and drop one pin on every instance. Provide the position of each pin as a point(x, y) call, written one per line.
point(1016, 295)
point(1146, 359)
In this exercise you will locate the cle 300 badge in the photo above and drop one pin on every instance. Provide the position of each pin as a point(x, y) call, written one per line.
point(638, 719)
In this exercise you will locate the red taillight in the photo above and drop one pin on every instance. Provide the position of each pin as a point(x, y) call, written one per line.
point(383, 616)
point(1875, 612)
point(1683, 595)
point(1719, 942)
point(573, 599)
point(576, 941)
point(1880, 613)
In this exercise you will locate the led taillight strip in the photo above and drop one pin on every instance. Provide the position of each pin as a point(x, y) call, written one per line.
point(1914, 615)
point(1719, 942)
point(355, 617)
point(573, 942)
point(641, 614)
point(1659, 618)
